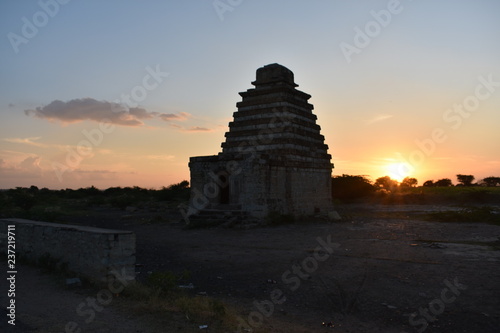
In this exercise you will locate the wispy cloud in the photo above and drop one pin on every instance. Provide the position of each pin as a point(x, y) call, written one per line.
point(27, 141)
point(174, 116)
point(197, 129)
point(191, 129)
point(160, 157)
point(77, 110)
point(379, 117)
point(28, 168)
point(95, 171)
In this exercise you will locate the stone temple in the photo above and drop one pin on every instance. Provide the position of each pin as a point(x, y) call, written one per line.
point(274, 159)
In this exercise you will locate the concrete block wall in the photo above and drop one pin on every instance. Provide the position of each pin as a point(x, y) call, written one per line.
point(93, 253)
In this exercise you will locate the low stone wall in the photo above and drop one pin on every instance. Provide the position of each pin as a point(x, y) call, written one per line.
point(93, 253)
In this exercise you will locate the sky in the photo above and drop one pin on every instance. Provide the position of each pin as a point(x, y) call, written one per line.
point(122, 93)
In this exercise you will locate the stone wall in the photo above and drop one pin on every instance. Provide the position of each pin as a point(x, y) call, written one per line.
point(93, 253)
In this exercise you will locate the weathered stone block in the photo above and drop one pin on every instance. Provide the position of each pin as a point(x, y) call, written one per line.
point(91, 252)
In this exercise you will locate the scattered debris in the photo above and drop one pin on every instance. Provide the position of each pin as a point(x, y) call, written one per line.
point(389, 306)
point(203, 327)
point(329, 324)
point(202, 293)
point(413, 244)
point(436, 246)
point(131, 209)
point(187, 286)
point(271, 281)
point(74, 282)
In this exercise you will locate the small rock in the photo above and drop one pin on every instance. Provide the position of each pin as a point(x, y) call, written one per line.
point(389, 306)
point(333, 215)
point(74, 282)
point(131, 209)
point(187, 286)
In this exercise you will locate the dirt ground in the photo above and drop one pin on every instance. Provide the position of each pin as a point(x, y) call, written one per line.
point(367, 273)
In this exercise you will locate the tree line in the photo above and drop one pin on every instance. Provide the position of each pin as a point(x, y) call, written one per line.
point(350, 187)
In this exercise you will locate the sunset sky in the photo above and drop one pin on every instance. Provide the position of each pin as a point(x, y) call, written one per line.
point(399, 87)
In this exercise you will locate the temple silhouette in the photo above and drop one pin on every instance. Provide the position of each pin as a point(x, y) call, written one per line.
point(273, 160)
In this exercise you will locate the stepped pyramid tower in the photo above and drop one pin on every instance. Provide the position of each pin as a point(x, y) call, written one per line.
point(274, 158)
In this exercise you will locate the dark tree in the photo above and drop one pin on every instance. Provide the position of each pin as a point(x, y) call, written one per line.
point(491, 181)
point(465, 180)
point(409, 182)
point(182, 185)
point(178, 191)
point(349, 188)
point(386, 183)
point(443, 182)
point(428, 183)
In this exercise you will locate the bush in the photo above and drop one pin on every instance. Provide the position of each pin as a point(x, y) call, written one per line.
point(166, 282)
point(472, 214)
point(163, 281)
point(178, 191)
point(349, 188)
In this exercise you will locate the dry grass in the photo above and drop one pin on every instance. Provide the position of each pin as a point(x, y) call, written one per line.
point(186, 310)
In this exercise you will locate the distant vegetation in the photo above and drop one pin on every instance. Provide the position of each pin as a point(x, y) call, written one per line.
point(53, 205)
point(349, 188)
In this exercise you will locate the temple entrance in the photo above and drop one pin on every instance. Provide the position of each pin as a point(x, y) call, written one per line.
point(223, 189)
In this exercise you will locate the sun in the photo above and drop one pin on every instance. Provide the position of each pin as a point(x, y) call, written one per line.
point(398, 171)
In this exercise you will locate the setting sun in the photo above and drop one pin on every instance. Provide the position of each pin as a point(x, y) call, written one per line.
point(398, 171)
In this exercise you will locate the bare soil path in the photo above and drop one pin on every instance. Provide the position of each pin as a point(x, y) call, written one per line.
point(380, 271)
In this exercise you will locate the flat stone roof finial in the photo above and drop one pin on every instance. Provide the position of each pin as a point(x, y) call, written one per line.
point(274, 74)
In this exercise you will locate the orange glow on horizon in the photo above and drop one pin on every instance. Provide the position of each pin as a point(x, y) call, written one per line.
point(398, 171)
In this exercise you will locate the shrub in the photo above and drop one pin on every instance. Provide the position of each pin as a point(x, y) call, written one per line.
point(350, 188)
